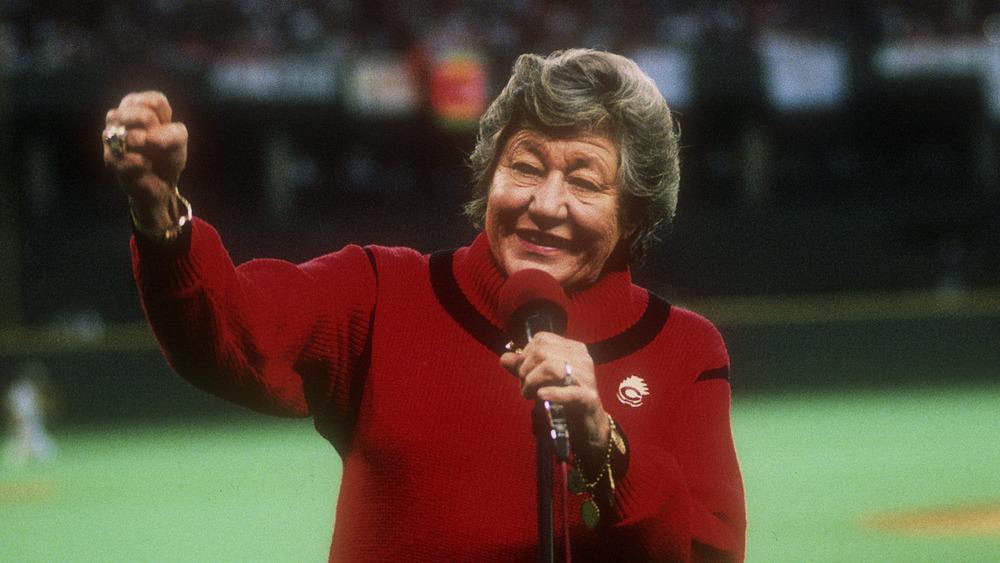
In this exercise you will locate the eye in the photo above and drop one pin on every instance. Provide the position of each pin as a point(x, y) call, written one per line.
point(584, 184)
point(526, 168)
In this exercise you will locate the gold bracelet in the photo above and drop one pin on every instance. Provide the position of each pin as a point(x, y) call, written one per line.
point(578, 485)
point(171, 233)
point(606, 468)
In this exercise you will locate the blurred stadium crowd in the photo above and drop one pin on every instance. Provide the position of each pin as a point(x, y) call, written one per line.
point(52, 34)
point(828, 146)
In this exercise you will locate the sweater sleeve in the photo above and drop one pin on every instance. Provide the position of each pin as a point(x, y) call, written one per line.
point(256, 334)
point(682, 493)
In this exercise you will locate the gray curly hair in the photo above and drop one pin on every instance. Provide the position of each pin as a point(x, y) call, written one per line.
point(587, 90)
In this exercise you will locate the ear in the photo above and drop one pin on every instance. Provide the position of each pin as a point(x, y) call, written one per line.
point(627, 224)
point(629, 228)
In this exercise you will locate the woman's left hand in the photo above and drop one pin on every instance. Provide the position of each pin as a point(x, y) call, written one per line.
point(544, 367)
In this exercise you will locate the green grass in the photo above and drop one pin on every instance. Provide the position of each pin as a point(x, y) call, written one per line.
point(815, 466)
point(263, 491)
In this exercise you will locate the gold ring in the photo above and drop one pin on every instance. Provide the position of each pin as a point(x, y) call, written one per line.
point(116, 141)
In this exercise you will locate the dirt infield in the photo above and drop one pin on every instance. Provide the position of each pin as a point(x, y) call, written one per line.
point(27, 491)
point(981, 520)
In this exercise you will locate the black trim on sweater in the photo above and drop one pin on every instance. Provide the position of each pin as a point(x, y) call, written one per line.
point(449, 294)
point(635, 337)
point(454, 301)
point(717, 373)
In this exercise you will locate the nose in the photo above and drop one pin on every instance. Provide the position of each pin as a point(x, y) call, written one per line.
point(549, 203)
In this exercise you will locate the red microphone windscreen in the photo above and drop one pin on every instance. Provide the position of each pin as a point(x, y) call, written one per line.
point(528, 291)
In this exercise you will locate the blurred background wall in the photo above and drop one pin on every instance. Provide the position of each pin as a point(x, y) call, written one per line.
point(829, 149)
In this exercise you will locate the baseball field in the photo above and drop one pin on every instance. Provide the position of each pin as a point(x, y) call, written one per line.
point(890, 476)
point(861, 439)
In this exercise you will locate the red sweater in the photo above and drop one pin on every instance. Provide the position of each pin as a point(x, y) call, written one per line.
point(395, 355)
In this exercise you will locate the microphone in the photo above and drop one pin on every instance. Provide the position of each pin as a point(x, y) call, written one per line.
point(532, 301)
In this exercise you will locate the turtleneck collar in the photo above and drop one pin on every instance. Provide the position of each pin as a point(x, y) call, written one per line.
point(598, 312)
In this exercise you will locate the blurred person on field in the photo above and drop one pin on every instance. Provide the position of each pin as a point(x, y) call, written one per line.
point(402, 359)
point(27, 404)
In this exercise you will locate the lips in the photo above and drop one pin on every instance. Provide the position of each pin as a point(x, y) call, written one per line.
point(542, 240)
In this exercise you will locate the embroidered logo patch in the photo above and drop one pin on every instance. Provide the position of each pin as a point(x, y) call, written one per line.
point(632, 391)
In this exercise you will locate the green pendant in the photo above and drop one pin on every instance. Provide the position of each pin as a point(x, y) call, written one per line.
point(590, 513)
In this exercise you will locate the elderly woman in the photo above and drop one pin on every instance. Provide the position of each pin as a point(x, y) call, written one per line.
point(401, 359)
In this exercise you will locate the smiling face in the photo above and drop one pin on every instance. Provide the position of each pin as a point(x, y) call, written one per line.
point(554, 205)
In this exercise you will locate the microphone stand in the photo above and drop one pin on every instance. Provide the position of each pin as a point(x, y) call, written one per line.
point(543, 458)
point(548, 422)
point(552, 442)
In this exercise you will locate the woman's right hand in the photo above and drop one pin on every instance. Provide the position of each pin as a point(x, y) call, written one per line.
point(150, 163)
